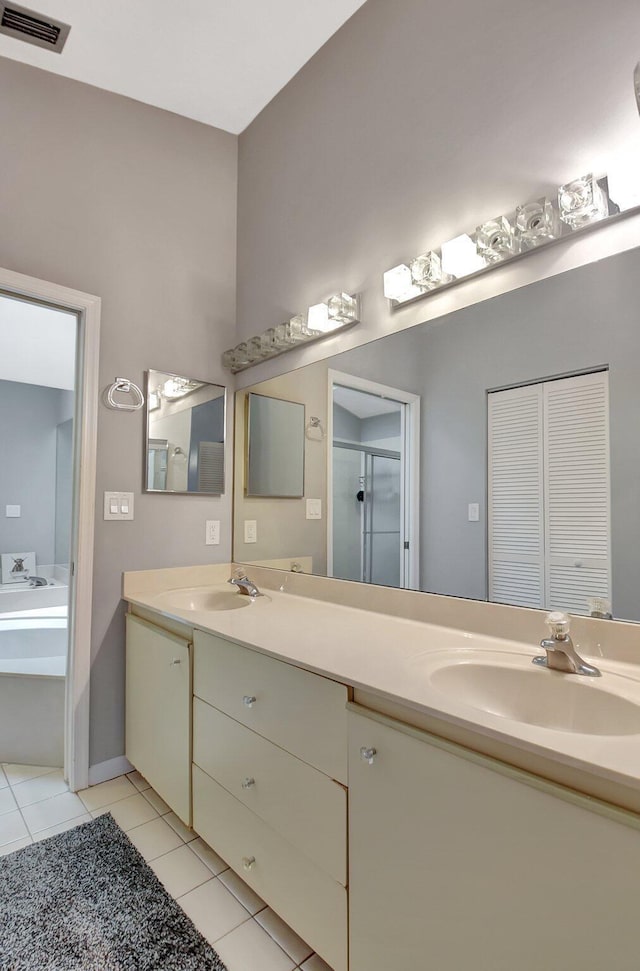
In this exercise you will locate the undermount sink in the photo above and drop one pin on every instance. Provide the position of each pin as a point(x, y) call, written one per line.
point(511, 687)
point(204, 598)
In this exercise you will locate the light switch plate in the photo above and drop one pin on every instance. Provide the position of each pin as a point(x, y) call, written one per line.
point(474, 512)
point(118, 505)
point(314, 508)
point(212, 532)
point(250, 531)
point(13, 512)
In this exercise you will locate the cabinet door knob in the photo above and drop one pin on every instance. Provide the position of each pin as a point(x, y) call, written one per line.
point(367, 755)
point(176, 660)
point(248, 862)
point(249, 701)
point(248, 783)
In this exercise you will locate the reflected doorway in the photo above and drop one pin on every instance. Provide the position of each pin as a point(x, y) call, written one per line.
point(373, 461)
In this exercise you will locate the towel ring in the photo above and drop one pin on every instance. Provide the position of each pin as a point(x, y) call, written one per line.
point(125, 386)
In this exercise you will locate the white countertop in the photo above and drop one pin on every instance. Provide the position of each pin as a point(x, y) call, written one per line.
point(392, 658)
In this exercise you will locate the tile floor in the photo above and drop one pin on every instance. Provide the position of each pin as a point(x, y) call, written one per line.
point(35, 802)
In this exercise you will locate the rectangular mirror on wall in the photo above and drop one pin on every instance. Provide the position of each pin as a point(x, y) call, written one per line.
point(185, 432)
point(516, 481)
point(275, 448)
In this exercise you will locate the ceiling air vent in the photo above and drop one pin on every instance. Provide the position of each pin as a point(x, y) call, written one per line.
point(32, 27)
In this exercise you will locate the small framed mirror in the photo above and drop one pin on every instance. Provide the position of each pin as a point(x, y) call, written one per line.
point(275, 448)
point(185, 429)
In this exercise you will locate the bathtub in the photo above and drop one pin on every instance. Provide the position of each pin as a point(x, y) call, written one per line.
point(33, 659)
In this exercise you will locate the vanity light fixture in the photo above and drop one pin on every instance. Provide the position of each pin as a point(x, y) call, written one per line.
point(579, 204)
point(178, 387)
point(636, 84)
point(582, 201)
point(322, 319)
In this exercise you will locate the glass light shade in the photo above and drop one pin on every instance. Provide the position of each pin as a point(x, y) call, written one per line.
point(343, 308)
point(460, 257)
point(426, 271)
point(399, 286)
point(582, 201)
point(273, 339)
point(623, 182)
point(259, 347)
point(297, 329)
point(536, 223)
point(496, 240)
point(318, 319)
point(229, 358)
point(175, 388)
point(242, 358)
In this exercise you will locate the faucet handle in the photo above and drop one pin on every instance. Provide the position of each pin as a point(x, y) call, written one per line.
point(559, 624)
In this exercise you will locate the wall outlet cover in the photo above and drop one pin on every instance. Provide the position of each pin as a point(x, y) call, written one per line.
point(13, 512)
point(250, 531)
point(474, 512)
point(212, 532)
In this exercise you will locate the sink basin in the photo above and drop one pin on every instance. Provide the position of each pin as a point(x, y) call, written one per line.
point(513, 688)
point(203, 598)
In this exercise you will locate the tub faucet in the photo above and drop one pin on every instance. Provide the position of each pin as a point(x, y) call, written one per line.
point(38, 582)
point(245, 585)
point(561, 654)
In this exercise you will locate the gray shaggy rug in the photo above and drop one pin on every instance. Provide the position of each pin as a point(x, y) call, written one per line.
point(85, 900)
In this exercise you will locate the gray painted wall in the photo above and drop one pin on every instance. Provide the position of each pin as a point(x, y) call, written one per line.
point(140, 210)
point(64, 491)
point(414, 124)
point(28, 430)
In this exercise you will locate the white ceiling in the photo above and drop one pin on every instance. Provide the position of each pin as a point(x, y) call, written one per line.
point(216, 61)
point(362, 404)
point(37, 344)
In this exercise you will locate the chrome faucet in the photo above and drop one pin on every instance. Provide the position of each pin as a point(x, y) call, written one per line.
point(245, 585)
point(561, 654)
point(38, 582)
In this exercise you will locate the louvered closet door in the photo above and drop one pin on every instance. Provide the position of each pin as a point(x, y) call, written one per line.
point(515, 488)
point(577, 500)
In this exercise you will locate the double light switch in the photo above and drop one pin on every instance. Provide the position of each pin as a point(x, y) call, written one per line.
point(118, 505)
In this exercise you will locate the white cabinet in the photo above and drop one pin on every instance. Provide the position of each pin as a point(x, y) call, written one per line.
point(458, 863)
point(158, 711)
point(269, 743)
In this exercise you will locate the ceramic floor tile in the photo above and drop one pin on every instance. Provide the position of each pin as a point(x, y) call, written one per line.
point(249, 948)
point(130, 812)
point(7, 801)
point(95, 797)
point(213, 910)
point(180, 871)
point(138, 780)
point(158, 804)
point(282, 934)
point(185, 834)
point(50, 812)
point(315, 963)
point(44, 834)
point(42, 787)
point(4, 782)
point(215, 863)
point(154, 839)
point(15, 845)
point(247, 897)
point(16, 773)
point(12, 827)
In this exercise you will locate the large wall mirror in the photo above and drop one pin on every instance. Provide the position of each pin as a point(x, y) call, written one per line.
point(185, 427)
point(492, 454)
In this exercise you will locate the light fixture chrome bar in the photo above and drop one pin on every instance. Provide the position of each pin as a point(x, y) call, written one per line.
point(583, 205)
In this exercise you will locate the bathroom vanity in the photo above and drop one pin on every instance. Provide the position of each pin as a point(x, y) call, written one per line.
point(336, 760)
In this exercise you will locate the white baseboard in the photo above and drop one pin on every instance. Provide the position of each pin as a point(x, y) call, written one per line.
point(110, 769)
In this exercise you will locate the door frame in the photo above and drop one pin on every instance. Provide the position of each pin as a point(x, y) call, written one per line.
point(410, 468)
point(87, 308)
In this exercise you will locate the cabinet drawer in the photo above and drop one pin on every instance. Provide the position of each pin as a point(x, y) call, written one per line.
point(302, 712)
point(309, 900)
point(302, 804)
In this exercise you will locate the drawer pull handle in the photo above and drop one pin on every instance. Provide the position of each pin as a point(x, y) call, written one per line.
point(176, 660)
point(368, 755)
point(248, 862)
point(248, 783)
point(249, 701)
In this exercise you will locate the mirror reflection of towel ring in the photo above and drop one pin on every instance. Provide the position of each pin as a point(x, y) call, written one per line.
point(314, 430)
point(124, 386)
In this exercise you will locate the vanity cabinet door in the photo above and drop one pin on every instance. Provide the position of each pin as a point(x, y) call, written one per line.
point(158, 711)
point(459, 863)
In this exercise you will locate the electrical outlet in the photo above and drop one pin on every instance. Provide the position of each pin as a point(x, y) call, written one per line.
point(212, 532)
point(250, 531)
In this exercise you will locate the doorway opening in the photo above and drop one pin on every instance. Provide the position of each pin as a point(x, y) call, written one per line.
point(373, 517)
point(49, 340)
